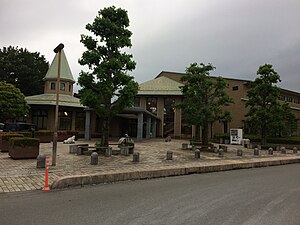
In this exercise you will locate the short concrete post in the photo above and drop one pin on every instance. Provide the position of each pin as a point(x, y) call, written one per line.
point(283, 150)
point(169, 155)
point(124, 150)
point(256, 151)
point(108, 152)
point(194, 148)
point(239, 152)
point(184, 146)
point(41, 161)
point(72, 149)
point(136, 157)
point(94, 158)
point(295, 150)
point(221, 153)
point(270, 151)
point(197, 154)
point(215, 149)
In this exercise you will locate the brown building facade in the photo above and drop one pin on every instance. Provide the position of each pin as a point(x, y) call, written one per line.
point(160, 94)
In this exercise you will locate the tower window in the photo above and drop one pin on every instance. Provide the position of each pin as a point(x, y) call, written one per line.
point(52, 86)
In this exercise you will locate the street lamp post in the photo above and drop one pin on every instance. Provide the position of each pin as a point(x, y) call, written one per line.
point(54, 148)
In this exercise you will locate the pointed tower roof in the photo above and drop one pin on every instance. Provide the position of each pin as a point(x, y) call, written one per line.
point(65, 71)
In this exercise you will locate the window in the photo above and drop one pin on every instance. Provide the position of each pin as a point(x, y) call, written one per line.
point(281, 97)
point(289, 99)
point(235, 88)
point(80, 121)
point(40, 119)
point(297, 100)
point(52, 86)
point(168, 115)
point(65, 120)
point(151, 105)
point(62, 86)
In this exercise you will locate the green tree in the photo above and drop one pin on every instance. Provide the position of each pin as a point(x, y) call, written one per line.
point(264, 108)
point(12, 102)
point(20, 67)
point(204, 97)
point(107, 87)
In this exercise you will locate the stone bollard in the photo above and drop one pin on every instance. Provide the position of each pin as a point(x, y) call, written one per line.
point(215, 149)
point(221, 152)
point(41, 161)
point(197, 154)
point(295, 150)
point(194, 148)
point(270, 151)
point(136, 157)
point(223, 147)
point(239, 152)
point(124, 150)
point(94, 158)
point(72, 149)
point(283, 150)
point(256, 151)
point(169, 155)
point(184, 146)
point(108, 152)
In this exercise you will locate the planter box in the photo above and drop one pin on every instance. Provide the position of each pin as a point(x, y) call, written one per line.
point(4, 141)
point(24, 152)
point(4, 145)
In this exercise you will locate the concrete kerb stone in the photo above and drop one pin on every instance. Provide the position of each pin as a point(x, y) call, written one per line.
point(82, 180)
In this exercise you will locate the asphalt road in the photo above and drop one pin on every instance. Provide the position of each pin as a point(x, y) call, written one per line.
point(254, 196)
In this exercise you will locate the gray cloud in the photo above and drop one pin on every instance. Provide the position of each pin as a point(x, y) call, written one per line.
point(236, 36)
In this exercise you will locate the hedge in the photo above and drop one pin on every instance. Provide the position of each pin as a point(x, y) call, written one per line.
point(7, 135)
point(24, 141)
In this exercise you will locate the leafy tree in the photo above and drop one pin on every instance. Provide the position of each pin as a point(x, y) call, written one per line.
point(20, 67)
point(12, 102)
point(265, 111)
point(283, 121)
point(106, 87)
point(204, 97)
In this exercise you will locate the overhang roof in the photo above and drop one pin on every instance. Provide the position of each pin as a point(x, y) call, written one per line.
point(50, 99)
point(65, 71)
point(160, 86)
point(128, 112)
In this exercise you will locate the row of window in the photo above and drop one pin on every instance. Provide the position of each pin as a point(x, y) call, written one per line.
point(62, 86)
point(40, 118)
point(289, 99)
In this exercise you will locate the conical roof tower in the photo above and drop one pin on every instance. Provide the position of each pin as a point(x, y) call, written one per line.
point(66, 77)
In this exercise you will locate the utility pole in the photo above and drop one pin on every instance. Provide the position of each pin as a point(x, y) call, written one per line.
point(54, 148)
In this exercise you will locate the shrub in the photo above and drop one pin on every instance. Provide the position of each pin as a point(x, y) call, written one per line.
point(24, 141)
point(8, 135)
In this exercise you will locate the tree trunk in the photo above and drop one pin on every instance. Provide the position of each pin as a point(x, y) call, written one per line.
point(263, 135)
point(105, 132)
point(205, 134)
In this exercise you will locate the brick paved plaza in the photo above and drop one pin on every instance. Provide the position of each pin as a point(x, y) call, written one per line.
point(22, 175)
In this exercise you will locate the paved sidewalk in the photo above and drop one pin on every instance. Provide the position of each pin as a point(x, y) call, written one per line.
point(22, 175)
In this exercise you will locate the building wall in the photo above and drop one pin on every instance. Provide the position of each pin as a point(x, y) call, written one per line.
point(237, 90)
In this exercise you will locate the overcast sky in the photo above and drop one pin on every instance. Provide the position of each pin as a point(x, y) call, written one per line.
point(236, 36)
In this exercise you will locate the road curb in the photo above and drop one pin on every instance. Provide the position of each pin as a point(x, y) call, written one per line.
point(80, 180)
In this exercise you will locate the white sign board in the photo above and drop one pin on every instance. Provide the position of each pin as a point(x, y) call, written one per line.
point(236, 136)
